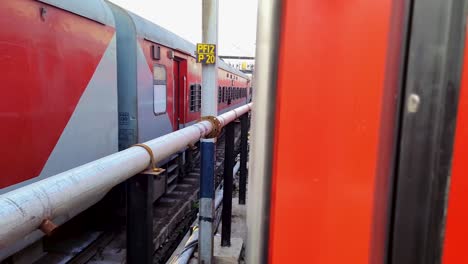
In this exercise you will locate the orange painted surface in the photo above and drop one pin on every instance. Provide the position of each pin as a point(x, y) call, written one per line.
point(457, 214)
point(330, 88)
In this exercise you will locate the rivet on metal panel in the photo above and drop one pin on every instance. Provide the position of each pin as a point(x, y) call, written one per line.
point(216, 126)
point(153, 170)
point(413, 103)
point(48, 227)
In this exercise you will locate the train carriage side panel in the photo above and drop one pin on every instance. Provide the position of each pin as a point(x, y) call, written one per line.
point(195, 77)
point(155, 82)
point(155, 91)
point(59, 101)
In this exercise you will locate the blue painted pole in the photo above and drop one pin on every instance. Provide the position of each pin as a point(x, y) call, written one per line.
point(207, 190)
point(209, 108)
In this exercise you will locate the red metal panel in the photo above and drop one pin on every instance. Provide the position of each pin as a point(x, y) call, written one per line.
point(194, 76)
point(330, 89)
point(457, 213)
point(46, 63)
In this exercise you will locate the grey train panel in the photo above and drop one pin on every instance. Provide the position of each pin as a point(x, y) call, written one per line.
point(92, 9)
point(158, 34)
point(150, 126)
point(126, 77)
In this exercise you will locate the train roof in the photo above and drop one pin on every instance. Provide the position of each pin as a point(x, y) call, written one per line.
point(96, 10)
point(158, 34)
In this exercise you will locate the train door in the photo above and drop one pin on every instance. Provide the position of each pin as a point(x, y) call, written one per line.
point(371, 177)
point(180, 86)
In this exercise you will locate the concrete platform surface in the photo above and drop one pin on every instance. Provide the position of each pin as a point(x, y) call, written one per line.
point(227, 255)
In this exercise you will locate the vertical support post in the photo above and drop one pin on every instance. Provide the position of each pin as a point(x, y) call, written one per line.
point(209, 108)
point(229, 160)
point(140, 246)
point(243, 158)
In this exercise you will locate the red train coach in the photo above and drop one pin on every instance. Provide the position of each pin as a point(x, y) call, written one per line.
point(353, 140)
point(64, 103)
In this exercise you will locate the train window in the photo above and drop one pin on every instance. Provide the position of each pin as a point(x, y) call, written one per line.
point(195, 97)
point(199, 99)
point(219, 94)
point(223, 96)
point(226, 95)
point(159, 89)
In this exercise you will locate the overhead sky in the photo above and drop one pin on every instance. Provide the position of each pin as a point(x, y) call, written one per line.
point(237, 21)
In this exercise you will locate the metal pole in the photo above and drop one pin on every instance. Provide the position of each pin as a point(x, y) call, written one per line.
point(243, 158)
point(227, 194)
point(140, 219)
point(209, 108)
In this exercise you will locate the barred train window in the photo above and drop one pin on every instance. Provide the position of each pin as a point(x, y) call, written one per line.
point(159, 89)
point(219, 94)
point(224, 94)
point(195, 97)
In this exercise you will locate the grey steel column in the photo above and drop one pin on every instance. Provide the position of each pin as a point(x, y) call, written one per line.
point(243, 158)
point(140, 219)
point(227, 192)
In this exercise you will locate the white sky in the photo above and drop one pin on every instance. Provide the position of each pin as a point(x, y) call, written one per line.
point(237, 21)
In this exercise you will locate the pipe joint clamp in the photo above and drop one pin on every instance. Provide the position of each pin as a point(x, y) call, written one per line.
point(215, 123)
point(152, 169)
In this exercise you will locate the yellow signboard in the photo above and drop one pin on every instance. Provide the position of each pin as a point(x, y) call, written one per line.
point(206, 53)
point(244, 65)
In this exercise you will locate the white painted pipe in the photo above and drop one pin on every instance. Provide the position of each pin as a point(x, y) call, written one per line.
point(188, 250)
point(71, 192)
point(236, 168)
